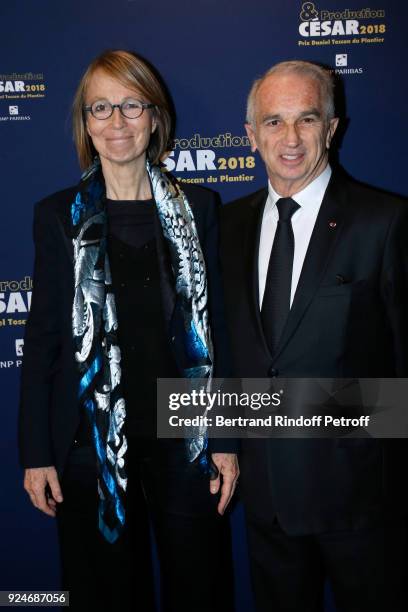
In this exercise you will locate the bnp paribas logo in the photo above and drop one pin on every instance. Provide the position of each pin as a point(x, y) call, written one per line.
point(308, 12)
point(341, 59)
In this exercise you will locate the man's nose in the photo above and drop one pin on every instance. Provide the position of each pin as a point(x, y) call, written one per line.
point(292, 136)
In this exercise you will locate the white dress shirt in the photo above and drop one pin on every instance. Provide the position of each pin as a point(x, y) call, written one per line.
point(303, 221)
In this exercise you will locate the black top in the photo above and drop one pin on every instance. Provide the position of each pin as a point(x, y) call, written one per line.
point(146, 353)
point(131, 221)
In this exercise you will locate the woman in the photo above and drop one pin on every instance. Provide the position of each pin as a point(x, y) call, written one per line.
point(126, 290)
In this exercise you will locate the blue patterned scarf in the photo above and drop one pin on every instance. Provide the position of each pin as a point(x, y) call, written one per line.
point(95, 328)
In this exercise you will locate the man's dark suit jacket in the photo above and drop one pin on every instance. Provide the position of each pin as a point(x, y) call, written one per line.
point(49, 410)
point(349, 318)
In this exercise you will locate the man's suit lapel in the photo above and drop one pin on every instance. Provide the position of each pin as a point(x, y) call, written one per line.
point(322, 242)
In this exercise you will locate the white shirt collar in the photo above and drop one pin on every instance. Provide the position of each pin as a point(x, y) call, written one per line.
point(310, 197)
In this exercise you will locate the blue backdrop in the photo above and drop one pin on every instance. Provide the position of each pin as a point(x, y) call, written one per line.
point(208, 52)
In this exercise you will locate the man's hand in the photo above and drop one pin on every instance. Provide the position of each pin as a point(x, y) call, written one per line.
point(35, 483)
point(227, 464)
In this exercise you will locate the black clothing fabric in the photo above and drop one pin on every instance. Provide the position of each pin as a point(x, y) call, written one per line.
point(288, 573)
point(145, 349)
point(193, 543)
point(131, 221)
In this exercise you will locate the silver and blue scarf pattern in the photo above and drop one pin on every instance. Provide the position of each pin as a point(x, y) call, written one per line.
point(95, 329)
point(94, 325)
point(179, 228)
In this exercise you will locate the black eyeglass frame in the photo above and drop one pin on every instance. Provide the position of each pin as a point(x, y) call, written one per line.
point(143, 106)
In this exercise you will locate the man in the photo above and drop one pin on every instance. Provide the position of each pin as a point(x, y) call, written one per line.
point(315, 271)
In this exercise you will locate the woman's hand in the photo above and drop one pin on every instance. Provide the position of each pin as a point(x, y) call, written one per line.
point(227, 464)
point(42, 485)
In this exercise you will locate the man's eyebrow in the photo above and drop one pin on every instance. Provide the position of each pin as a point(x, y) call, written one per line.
point(310, 111)
point(270, 117)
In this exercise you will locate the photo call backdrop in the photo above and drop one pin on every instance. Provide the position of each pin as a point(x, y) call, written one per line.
point(208, 52)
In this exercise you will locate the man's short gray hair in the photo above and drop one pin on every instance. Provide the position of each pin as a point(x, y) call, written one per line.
point(307, 69)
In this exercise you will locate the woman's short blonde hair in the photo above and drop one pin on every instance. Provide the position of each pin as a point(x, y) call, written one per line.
point(133, 72)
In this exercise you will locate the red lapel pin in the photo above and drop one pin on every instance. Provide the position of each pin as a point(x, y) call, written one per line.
point(332, 224)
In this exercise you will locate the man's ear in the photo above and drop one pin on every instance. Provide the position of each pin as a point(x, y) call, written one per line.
point(251, 135)
point(330, 132)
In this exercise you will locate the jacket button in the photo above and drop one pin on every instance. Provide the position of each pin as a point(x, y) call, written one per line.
point(273, 372)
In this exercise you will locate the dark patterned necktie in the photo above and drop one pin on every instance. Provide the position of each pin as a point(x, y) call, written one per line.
point(276, 299)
